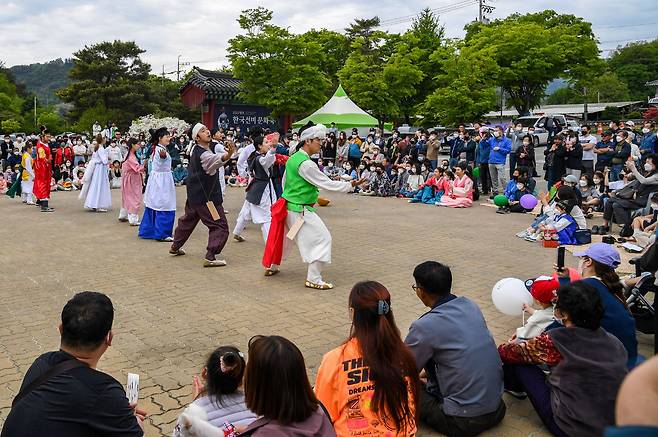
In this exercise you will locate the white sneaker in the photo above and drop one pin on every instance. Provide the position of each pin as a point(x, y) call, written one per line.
point(531, 238)
point(214, 263)
point(522, 234)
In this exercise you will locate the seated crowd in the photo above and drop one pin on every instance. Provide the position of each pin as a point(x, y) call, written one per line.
point(569, 359)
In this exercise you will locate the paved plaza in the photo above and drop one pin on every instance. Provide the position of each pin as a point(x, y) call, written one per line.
point(170, 312)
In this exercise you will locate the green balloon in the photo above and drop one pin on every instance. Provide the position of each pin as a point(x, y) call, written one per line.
point(501, 200)
point(476, 172)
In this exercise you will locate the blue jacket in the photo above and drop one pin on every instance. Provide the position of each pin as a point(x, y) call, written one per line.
point(482, 153)
point(617, 320)
point(499, 156)
point(513, 194)
point(649, 142)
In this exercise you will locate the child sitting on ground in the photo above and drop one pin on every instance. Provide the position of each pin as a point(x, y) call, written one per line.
point(3, 184)
point(219, 396)
point(543, 291)
point(563, 223)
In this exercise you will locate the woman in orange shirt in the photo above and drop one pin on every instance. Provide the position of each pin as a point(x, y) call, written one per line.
point(369, 384)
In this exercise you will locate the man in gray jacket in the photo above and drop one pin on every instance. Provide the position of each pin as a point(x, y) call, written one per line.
point(456, 356)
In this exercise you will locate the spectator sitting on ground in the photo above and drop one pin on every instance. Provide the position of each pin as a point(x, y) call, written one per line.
point(597, 266)
point(589, 195)
point(220, 395)
point(115, 175)
point(457, 355)
point(432, 189)
point(516, 189)
point(414, 181)
point(461, 190)
point(77, 179)
point(587, 366)
point(276, 388)
point(75, 399)
point(386, 404)
point(180, 173)
point(548, 212)
point(562, 223)
point(644, 227)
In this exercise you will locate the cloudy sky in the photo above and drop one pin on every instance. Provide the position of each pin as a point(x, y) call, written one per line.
point(42, 30)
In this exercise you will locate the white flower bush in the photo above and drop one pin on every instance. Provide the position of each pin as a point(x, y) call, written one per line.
point(143, 124)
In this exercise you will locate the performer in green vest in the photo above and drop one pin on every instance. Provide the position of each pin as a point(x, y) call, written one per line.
point(295, 214)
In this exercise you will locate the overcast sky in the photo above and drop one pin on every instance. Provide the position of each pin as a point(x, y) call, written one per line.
point(42, 30)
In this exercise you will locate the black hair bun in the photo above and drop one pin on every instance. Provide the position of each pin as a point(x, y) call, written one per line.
point(230, 359)
point(152, 131)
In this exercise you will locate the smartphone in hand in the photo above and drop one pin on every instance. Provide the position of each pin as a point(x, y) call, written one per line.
point(560, 259)
point(132, 388)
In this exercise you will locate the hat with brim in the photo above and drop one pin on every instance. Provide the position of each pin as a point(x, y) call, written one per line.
point(602, 253)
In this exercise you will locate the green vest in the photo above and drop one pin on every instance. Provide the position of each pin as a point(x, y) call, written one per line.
point(297, 191)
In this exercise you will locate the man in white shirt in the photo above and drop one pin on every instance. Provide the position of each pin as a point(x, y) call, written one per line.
point(588, 141)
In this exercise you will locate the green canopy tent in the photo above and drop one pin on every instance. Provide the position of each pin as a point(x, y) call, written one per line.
point(342, 111)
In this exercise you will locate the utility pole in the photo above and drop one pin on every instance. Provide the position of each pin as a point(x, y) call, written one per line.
point(178, 69)
point(163, 73)
point(480, 12)
point(484, 8)
point(35, 112)
point(585, 105)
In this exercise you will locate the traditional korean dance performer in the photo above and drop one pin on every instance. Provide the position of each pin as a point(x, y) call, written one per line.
point(294, 214)
point(131, 185)
point(204, 197)
point(260, 191)
point(160, 195)
point(96, 183)
point(43, 171)
point(27, 176)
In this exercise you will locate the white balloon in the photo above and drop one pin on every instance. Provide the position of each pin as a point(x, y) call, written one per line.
point(509, 295)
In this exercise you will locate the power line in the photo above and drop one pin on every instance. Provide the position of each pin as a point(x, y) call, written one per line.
point(439, 11)
point(618, 26)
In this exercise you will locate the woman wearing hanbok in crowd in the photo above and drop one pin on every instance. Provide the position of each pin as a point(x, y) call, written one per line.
point(131, 185)
point(160, 195)
point(96, 183)
point(461, 189)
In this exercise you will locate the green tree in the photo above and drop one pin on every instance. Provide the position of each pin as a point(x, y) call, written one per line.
point(167, 99)
point(533, 49)
point(96, 114)
point(279, 70)
point(112, 75)
point(11, 103)
point(10, 125)
point(636, 64)
point(465, 92)
point(606, 87)
point(334, 49)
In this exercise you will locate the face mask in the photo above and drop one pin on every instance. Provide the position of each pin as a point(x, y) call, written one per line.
point(610, 125)
point(461, 137)
point(400, 171)
point(597, 181)
point(423, 168)
point(520, 187)
point(331, 164)
point(412, 171)
point(648, 167)
point(372, 169)
point(619, 138)
point(496, 134)
point(421, 158)
point(361, 167)
point(531, 131)
point(526, 143)
point(369, 140)
point(395, 135)
point(582, 183)
point(646, 130)
point(518, 129)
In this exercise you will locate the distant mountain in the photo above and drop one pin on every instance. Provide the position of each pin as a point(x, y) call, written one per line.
point(555, 85)
point(44, 79)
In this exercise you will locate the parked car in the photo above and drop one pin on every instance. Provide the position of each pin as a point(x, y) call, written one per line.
point(542, 124)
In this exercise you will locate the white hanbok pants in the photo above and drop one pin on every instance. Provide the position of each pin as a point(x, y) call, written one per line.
point(26, 191)
point(133, 219)
point(259, 214)
point(313, 241)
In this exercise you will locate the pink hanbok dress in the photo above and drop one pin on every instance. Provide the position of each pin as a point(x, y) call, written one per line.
point(131, 189)
point(461, 194)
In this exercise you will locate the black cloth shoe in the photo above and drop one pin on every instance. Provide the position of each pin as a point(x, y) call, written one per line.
point(595, 230)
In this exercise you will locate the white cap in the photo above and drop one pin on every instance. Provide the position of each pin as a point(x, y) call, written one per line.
point(195, 130)
point(318, 131)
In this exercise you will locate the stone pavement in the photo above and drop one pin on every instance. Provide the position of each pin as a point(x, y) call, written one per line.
point(171, 312)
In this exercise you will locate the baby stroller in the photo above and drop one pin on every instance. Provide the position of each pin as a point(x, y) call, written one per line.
point(641, 297)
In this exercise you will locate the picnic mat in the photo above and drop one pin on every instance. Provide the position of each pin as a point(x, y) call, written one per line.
point(624, 268)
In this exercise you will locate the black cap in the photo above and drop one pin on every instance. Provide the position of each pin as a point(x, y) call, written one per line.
point(607, 133)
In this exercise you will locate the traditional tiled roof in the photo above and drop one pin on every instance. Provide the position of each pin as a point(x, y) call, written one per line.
point(216, 84)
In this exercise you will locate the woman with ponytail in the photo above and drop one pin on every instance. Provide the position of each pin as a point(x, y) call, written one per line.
point(369, 385)
point(219, 391)
point(160, 195)
point(597, 266)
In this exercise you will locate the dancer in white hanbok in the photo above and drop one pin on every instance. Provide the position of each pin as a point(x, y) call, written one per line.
point(96, 183)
